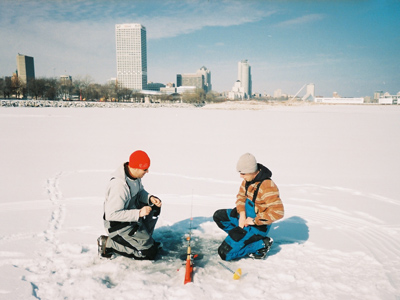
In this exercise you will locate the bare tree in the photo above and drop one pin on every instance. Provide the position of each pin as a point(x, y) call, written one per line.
point(2, 87)
point(197, 96)
point(51, 88)
point(7, 89)
point(81, 86)
point(17, 86)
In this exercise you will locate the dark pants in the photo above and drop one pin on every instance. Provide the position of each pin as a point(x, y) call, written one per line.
point(134, 240)
point(240, 241)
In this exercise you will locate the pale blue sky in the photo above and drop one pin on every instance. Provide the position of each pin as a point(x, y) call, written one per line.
point(349, 47)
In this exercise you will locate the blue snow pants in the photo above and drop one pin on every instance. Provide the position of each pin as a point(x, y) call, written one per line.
point(240, 241)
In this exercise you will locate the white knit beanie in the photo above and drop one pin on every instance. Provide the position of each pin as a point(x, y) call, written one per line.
point(247, 164)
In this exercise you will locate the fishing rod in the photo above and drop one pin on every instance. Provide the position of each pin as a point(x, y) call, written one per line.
point(189, 257)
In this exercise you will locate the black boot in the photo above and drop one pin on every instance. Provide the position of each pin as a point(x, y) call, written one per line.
point(260, 254)
point(101, 247)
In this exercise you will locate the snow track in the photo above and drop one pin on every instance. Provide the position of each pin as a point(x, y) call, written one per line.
point(58, 213)
point(355, 230)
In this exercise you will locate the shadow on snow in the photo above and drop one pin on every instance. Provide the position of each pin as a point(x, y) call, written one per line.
point(287, 231)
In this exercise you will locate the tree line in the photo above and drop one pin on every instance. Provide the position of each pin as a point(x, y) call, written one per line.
point(86, 90)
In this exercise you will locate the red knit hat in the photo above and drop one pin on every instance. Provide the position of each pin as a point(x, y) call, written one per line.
point(139, 160)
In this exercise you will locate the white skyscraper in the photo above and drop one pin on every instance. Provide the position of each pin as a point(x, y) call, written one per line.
point(244, 76)
point(131, 56)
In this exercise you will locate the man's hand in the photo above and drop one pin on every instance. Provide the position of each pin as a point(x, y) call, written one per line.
point(144, 211)
point(157, 202)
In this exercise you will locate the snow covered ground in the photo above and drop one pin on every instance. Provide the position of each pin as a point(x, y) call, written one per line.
point(337, 168)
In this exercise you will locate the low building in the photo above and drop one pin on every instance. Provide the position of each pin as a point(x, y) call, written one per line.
point(182, 89)
point(339, 100)
point(389, 99)
point(168, 90)
point(155, 86)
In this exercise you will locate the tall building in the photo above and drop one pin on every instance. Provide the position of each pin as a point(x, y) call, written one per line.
point(25, 68)
point(244, 76)
point(206, 78)
point(131, 56)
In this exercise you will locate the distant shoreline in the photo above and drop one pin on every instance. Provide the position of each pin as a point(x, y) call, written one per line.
point(230, 105)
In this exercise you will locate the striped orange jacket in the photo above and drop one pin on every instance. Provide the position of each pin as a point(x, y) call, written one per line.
point(268, 205)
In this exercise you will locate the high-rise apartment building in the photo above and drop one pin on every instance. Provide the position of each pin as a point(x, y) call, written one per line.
point(25, 68)
point(131, 56)
point(244, 76)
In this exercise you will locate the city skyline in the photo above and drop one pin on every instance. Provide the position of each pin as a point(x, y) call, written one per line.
point(348, 47)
